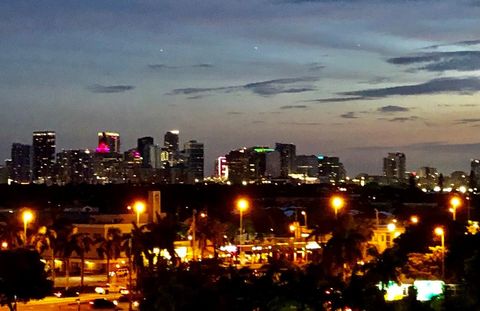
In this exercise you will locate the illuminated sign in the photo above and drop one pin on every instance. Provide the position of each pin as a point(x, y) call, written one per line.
point(426, 290)
point(261, 150)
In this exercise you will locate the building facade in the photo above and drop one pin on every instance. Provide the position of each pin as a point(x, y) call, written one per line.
point(44, 144)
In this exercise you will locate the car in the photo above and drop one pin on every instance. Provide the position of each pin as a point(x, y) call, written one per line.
point(70, 292)
point(102, 304)
point(111, 288)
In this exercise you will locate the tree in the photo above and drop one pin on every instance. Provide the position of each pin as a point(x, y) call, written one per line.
point(64, 246)
point(109, 247)
point(10, 234)
point(82, 243)
point(346, 247)
point(45, 240)
point(22, 277)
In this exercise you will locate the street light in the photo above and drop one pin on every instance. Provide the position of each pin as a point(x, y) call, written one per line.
point(337, 203)
point(305, 216)
point(455, 202)
point(414, 219)
point(440, 232)
point(27, 217)
point(242, 206)
point(139, 208)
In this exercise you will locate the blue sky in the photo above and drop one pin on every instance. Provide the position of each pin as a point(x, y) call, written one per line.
point(356, 79)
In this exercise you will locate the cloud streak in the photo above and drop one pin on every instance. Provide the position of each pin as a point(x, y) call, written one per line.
point(392, 108)
point(107, 89)
point(442, 61)
point(263, 88)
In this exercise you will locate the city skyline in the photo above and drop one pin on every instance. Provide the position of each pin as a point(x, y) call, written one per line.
point(329, 76)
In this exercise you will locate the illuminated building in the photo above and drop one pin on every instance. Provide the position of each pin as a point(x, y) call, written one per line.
point(144, 145)
point(74, 166)
point(273, 164)
point(108, 142)
point(43, 156)
point(287, 158)
point(221, 167)
point(171, 145)
point(194, 154)
point(330, 169)
point(307, 165)
point(394, 166)
point(238, 165)
point(21, 163)
point(475, 169)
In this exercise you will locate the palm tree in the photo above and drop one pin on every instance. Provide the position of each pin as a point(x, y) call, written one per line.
point(346, 246)
point(82, 243)
point(109, 247)
point(64, 246)
point(10, 234)
point(45, 240)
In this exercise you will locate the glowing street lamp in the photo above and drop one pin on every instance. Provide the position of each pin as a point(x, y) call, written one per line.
point(139, 208)
point(305, 216)
point(455, 202)
point(27, 216)
point(242, 206)
point(414, 219)
point(440, 232)
point(337, 203)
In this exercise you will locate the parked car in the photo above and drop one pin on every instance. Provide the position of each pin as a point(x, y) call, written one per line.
point(70, 292)
point(102, 304)
point(111, 288)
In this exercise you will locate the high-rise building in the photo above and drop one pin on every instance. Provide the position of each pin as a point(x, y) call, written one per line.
point(273, 164)
point(194, 154)
point(108, 142)
point(21, 164)
point(74, 166)
point(221, 167)
point(330, 169)
point(287, 158)
point(238, 165)
point(43, 156)
point(170, 143)
point(307, 165)
point(475, 169)
point(144, 145)
point(394, 166)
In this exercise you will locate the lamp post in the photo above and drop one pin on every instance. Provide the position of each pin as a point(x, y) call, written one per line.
point(455, 202)
point(337, 203)
point(440, 232)
point(139, 208)
point(304, 213)
point(242, 206)
point(194, 228)
point(27, 217)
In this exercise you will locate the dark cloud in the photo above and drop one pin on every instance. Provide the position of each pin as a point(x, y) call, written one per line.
point(97, 88)
point(442, 61)
point(234, 113)
point(304, 123)
point(392, 108)
point(459, 43)
point(203, 66)
point(160, 67)
point(263, 88)
point(315, 66)
point(402, 119)
point(338, 99)
point(377, 80)
point(468, 120)
point(349, 115)
point(294, 107)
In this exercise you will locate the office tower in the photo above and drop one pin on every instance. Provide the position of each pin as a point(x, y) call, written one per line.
point(43, 156)
point(330, 169)
point(221, 168)
point(170, 143)
point(394, 166)
point(257, 162)
point(287, 158)
point(273, 164)
point(143, 146)
point(21, 163)
point(238, 165)
point(475, 171)
point(108, 142)
point(74, 166)
point(194, 152)
point(307, 165)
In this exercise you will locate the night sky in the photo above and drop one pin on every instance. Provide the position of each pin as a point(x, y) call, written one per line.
point(355, 79)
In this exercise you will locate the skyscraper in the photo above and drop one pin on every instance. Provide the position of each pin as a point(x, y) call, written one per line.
point(108, 142)
point(74, 166)
point(171, 144)
point(330, 169)
point(194, 161)
point(21, 165)
point(43, 156)
point(394, 166)
point(287, 158)
point(144, 145)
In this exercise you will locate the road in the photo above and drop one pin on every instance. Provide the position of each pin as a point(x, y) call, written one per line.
point(64, 304)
